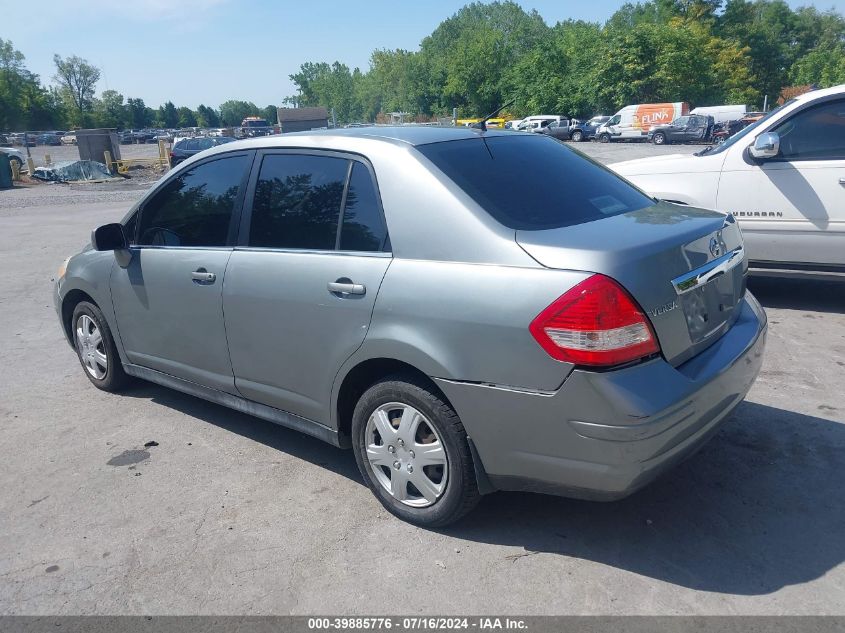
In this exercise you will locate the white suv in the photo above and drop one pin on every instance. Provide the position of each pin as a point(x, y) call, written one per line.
point(783, 178)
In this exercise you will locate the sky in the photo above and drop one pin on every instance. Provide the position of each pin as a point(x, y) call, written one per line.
point(207, 51)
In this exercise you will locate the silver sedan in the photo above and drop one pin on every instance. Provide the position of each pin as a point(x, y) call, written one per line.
point(401, 292)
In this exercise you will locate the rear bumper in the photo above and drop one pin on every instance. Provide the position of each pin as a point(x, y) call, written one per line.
point(603, 435)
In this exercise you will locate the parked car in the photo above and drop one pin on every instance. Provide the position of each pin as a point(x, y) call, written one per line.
point(69, 138)
point(634, 121)
point(48, 139)
point(187, 147)
point(15, 156)
point(4, 142)
point(556, 129)
point(21, 139)
point(691, 128)
point(782, 178)
point(537, 122)
point(399, 291)
point(586, 130)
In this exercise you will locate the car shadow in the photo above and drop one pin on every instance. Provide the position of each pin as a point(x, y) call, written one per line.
point(799, 294)
point(757, 509)
point(272, 435)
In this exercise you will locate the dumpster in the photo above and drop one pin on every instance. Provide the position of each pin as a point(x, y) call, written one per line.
point(93, 144)
point(5, 171)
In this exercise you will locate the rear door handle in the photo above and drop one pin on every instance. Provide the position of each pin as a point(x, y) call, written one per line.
point(346, 288)
point(842, 181)
point(202, 276)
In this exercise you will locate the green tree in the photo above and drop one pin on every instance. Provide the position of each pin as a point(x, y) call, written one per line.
point(77, 80)
point(270, 113)
point(24, 103)
point(186, 117)
point(233, 112)
point(207, 117)
point(138, 114)
point(109, 110)
point(168, 115)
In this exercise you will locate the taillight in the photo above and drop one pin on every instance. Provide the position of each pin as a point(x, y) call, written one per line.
point(596, 323)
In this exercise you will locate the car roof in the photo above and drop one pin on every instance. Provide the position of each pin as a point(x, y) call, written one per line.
point(356, 139)
point(404, 134)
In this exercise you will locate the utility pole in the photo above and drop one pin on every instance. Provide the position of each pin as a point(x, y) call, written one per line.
point(334, 122)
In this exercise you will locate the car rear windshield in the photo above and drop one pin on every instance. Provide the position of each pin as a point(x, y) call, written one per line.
point(533, 182)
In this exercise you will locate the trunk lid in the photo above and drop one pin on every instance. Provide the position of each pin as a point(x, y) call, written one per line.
point(684, 266)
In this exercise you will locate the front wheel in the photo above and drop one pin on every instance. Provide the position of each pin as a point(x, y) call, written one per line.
point(577, 136)
point(16, 161)
point(96, 349)
point(659, 138)
point(604, 138)
point(413, 453)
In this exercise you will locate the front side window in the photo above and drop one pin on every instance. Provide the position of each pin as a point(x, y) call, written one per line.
point(362, 228)
point(817, 133)
point(681, 121)
point(297, 202)
point(493, 172)
point(195, 208)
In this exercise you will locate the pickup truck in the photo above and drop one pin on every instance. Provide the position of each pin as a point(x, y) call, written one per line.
point(691, 128)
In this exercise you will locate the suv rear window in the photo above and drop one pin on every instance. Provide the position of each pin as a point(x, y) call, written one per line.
point(534, 182)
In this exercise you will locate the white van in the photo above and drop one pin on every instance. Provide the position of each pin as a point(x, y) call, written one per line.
point(722, 113)
point(782, 178)
point(537, 122)
point(634, 121)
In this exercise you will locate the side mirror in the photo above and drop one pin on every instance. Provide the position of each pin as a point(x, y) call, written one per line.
point(767, 145)
point(109, 237)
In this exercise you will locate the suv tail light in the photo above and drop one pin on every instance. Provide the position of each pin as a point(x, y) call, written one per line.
point(596, 323)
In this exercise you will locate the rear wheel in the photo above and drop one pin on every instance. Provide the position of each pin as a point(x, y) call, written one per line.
point(604, 138)
point(577, 136)
point(96, 349)
point(413, 453)
point(659, 138)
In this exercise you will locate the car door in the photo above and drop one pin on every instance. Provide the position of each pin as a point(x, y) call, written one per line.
point(301, 285)
point(792, 207)
point(168, 298)
point(677, 129)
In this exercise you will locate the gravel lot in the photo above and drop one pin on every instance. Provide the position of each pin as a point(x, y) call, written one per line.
point(232, 515)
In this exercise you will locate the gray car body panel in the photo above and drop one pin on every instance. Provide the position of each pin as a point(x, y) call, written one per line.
point(453, 299)
point(603, 435)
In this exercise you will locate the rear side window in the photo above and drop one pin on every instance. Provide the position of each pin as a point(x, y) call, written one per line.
point(195, 208)
point(534, 182)
point(297, 202)
point(362, 227)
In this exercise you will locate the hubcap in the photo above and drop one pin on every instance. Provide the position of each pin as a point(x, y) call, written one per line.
point(91, 348)
point(406, 454)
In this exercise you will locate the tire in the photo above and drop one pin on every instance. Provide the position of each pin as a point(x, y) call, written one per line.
point(447, 474)
point(18, 161)
point(659, 138)
point(86, 323)
point(604, 138)
point(577, 136)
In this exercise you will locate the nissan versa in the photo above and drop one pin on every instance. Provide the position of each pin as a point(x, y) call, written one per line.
point(401, 292)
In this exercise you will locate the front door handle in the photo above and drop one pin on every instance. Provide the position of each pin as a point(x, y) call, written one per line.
point(202, 276)
point(842, 181)
point(346, 288)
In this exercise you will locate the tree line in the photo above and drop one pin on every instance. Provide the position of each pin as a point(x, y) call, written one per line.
point(706, 52)
point(26, 104)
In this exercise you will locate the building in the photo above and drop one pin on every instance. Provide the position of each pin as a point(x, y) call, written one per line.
point(302, 119)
